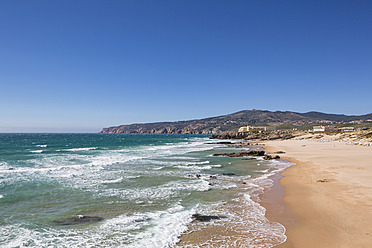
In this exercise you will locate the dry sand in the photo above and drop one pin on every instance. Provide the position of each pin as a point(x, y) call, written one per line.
point(335, 212)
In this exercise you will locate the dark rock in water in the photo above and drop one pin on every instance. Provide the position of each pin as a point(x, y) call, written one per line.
point(81, 219)
point(199, 217)
point(11, 168)
point(142, 220)
point(228, 174)
point(268, 157)
point(241, 154)
point(220, 143)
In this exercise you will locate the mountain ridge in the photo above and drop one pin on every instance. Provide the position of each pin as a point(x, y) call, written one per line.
point(231, 122)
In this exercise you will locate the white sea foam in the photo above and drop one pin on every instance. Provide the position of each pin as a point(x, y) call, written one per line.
point(224, 185)
point(163, 192)
point(1, 196)
point(180, 148)
point(208, 167)
point(175, 156)
point(160, 230)
point(203, 162)
point(100, 171)
point(167, 162)
point(166, 231)
point(110, 158)
point(37, 151)
point(112, 181)
point(246, 216)
point(41, 145)
point(81, 170)
point(250, 184)
point(81, 149)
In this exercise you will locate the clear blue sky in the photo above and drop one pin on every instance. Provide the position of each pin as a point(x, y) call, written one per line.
point(78, 66)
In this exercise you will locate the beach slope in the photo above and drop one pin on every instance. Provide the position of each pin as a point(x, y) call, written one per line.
point(329, 190)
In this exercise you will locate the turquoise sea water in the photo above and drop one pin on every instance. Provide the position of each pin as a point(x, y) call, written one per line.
point(143, 186)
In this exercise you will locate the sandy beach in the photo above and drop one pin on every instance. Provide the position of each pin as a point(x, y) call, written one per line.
point(329, 191)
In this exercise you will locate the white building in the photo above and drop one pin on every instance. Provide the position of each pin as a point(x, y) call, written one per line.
point(318, 128)
point(251, 129)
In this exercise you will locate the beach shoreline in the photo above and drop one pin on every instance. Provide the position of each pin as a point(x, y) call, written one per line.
point(276, 209)
point(267, 199)
point(329, 192)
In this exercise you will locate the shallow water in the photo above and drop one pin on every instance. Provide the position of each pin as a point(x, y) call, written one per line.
point(143, 186)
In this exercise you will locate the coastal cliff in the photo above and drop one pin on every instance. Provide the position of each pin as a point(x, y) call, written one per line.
point(160, 129)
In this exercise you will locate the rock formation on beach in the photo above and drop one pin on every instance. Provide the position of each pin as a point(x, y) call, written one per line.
point(241, 154)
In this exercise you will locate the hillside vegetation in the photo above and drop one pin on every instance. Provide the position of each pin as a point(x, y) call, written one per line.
point(231, 122)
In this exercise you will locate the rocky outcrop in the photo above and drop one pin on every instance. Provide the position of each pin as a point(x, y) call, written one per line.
point(269, 157)
point(241, 154)
point(80, 219)
point(220, 143)
point(229, 135)
point(228, 174)
point(199, 217)
point(267, 135)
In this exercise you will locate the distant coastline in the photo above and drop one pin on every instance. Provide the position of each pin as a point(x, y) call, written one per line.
point(232, 122)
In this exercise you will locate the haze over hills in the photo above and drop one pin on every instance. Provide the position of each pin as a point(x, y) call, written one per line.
point(232, 122)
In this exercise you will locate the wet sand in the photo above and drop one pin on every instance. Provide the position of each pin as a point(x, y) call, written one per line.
point(276, 209)
point(329, 191)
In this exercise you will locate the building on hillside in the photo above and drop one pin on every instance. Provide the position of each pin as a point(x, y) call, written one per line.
point(347, 129)
point(242, 130)
point(251, 129)
point(356, 122)
point(318, 128)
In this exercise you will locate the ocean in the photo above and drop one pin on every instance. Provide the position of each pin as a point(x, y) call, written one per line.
point(122, 190)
